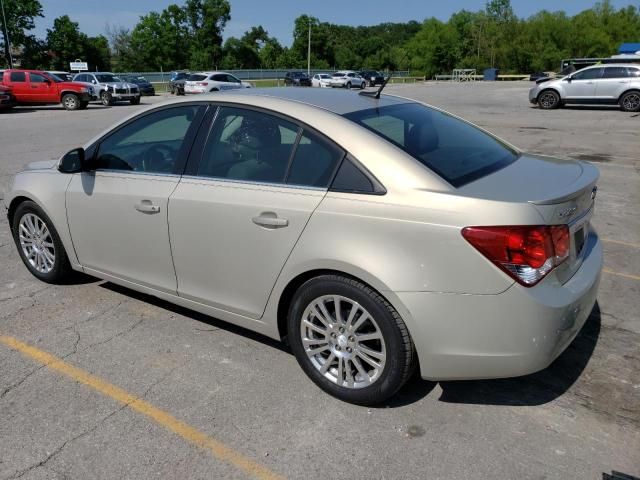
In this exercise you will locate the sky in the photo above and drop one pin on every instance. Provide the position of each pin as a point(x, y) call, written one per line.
point(277, 16)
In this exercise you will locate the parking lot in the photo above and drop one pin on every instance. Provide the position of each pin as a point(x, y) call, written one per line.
point(97, 381)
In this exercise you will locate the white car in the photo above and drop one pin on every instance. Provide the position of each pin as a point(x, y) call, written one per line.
point(203, 82)
point(322, 80)
point(348, 79)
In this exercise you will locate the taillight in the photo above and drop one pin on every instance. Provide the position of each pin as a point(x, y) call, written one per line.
point(526, 253)
point(202, 84)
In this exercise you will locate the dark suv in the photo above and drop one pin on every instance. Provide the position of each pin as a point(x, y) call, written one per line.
point(372, 77)
point(297, 79)
point(176, 85)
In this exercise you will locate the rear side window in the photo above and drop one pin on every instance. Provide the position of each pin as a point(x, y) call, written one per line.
point(351, 178)
point(18, 77)
point(454, 149)
point(634, 72)
point(314, 162)
point(615, 72)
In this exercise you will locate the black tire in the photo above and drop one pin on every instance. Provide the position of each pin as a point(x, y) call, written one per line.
point(106, 99)
point(548, 100)
point(214, 90)
point(363, 85)
point(135, 101)
point(348, 85)
point(61, 270)
point(630, 101)
point(400, 352)
point(84, 105)
point(172, 89)
point(70, 101)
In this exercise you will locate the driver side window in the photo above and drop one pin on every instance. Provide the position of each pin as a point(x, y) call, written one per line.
point(150, 144)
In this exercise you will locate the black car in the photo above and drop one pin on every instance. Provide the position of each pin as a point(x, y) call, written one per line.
point(176, 85)
point(297, 79)
point(145, 87)
point(372, 77)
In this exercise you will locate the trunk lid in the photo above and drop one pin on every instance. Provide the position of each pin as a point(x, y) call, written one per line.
point(562, 192)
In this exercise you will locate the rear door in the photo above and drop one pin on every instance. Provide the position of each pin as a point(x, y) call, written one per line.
point(242, 205)
point(583, 84)
point(20, 86)
point(613, 82)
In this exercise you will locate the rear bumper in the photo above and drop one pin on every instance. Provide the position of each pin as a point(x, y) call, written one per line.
point(517, 332)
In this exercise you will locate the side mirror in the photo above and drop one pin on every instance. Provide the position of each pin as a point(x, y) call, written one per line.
point(568, 79)
point(73, 161)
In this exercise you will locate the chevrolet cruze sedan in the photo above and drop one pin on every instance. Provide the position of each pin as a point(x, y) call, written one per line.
point(611, 84)
point(377, 236)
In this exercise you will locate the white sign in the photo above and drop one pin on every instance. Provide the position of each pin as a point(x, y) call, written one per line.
point(78, 66)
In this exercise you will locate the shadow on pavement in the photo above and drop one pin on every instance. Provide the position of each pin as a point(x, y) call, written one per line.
point(535, 389)
point(200, 317)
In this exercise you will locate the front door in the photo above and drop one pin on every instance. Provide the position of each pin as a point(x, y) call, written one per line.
point(236, 217)
point(118, 211)
point(583, 84)
point(43, 90)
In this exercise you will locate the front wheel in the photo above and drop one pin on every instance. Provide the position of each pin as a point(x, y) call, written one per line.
point(630, 102)
point(39, 244)
point(349, 86)
point(363, 86)
point(106, 99)
point(70, 101)
point(135, 101)
point(548, 100)
point(349, 340)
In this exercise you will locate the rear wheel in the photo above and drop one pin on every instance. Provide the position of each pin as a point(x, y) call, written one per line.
point(548, 100)
point(349, 340)
point(363, 85)
point(70, 101)
point(135, 101)
point(630, 102)
point(39, 244)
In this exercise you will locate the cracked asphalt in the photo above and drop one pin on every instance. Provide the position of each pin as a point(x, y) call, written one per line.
point(579, 418)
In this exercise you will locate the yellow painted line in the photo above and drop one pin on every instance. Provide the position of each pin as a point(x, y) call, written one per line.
point(218, 449)
point(624, 275)
point(618, 242)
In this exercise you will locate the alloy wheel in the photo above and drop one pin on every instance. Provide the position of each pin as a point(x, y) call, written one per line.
point(631, 102)
point(37, 243)
point(343, 341)
point(547, 100)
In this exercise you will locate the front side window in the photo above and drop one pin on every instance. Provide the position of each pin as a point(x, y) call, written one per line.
point(149, 144)
point(590, 74)
point(247, 145)
point(454, 149)
point(37, 78)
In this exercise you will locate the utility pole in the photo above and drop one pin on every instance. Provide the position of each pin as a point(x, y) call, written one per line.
point(5, 33)
point(309, 51)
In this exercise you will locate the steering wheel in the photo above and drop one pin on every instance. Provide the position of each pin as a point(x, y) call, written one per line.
point(158, 158)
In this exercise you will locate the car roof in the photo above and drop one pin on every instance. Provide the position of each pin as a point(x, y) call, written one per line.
point(339, 102)
point(600, 65)
point(210, 73)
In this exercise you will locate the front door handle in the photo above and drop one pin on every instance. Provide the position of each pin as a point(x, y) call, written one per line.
point(147, 206)
point(270, 220)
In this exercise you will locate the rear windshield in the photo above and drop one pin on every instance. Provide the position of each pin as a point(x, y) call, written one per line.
point(195, 77)
point(454, 149)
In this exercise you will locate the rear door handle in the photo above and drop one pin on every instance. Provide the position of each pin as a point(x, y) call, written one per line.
point(270, 220)
point(147, 206)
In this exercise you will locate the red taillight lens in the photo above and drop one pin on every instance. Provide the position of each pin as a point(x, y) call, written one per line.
point(202, 84)
point(526, 253)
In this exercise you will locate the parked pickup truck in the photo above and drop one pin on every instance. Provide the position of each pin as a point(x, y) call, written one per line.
point(35, 87)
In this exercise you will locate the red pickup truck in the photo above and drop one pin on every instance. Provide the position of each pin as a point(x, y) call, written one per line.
point(35, 87)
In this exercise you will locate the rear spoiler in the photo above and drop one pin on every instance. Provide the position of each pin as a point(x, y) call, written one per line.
point(587, 180)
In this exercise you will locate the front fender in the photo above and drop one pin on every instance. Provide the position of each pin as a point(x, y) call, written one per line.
point(48, 189)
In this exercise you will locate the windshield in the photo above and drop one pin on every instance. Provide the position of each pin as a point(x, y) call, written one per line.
point(454, 149)
point(55, 77)
point(107, 78)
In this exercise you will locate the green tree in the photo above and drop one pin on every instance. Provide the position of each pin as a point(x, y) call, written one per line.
point(20, 16)
point(206, 20)
point(65, 42)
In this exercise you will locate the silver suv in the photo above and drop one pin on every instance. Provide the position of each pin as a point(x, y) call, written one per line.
point(612, 84)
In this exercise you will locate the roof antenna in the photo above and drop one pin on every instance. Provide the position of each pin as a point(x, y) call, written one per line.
point(376, 95)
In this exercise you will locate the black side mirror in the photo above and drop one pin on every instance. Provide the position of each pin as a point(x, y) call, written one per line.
point(569, 79)
point(73, 161)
